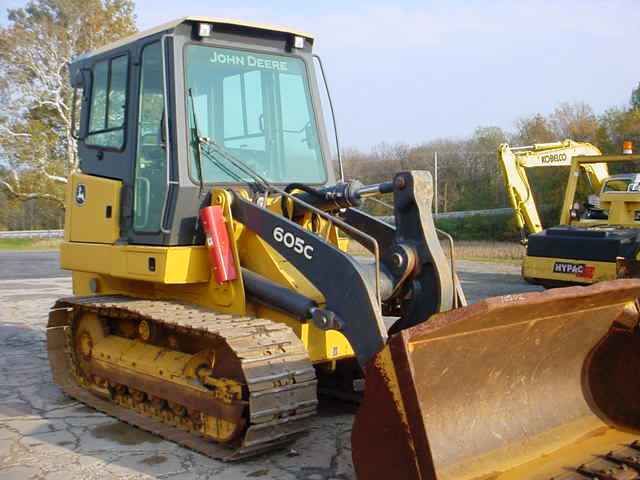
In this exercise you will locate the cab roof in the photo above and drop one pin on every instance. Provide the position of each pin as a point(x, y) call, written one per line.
point(192, 19)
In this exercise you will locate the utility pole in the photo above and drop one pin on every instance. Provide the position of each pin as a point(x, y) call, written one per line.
point(435, 185)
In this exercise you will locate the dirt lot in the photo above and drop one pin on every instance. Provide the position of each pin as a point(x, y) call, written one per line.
point(44, 435)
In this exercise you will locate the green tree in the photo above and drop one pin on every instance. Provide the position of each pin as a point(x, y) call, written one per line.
point(575, 121)
point(617, 125)
point(36, 143)
point(534, 129)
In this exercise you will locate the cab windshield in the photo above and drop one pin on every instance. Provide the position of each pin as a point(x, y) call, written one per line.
point(258, 108)
point(617, 185)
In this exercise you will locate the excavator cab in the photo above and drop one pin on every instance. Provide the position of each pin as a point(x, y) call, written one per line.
point(212, 298)
point(617, 199)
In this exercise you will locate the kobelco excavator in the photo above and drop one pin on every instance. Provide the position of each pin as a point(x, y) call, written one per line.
point(596, 239)
point(212, 297)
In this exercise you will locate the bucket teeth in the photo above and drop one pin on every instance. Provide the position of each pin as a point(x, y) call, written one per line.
point(621, 464)
point(632, 460)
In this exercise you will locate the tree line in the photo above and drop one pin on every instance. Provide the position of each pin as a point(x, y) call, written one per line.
point(469, 177)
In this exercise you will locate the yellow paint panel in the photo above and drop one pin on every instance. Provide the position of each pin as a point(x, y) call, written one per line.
point(542, 268)
point(622, 207)
point(144, 264)
point(174, 265)
point(93, 206)
point(322, 346)
point(327, 345)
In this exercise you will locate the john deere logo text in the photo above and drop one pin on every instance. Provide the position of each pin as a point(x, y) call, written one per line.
point(248, 61)
point(578, 269)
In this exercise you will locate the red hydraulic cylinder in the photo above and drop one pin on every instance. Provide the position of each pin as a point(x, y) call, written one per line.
point(218, 244)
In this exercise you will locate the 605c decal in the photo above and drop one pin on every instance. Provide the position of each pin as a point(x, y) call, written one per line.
point(296, 244)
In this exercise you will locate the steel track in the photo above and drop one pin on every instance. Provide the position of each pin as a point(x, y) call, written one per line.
point(280, 378)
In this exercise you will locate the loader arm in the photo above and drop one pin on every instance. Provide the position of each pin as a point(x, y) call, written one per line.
point(351, 301)
point(414, 268)
point(514, 162)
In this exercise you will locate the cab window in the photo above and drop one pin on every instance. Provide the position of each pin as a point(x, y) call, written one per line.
point(256, 107)
point(617, 185)
point(107, 114)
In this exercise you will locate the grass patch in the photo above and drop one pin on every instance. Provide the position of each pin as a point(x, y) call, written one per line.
point(30, 243)
point(507, 252)
point(485, 251)
point(483, 228)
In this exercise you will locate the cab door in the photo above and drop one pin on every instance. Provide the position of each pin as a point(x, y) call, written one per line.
point(150, 177)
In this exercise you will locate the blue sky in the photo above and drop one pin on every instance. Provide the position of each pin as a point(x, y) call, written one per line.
point(411, 71)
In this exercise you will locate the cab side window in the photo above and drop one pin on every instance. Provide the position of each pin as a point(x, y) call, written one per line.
point(107, 114)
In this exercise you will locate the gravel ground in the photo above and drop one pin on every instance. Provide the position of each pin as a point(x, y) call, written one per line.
point(44, 435)
point(30, 264)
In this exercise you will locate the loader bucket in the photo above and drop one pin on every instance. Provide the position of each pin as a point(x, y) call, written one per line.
point(540, 385)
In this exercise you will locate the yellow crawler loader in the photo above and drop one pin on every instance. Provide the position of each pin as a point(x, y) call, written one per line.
point(212, 298)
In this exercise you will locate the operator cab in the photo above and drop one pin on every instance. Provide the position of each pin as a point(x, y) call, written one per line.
point(626, 182)
point(622, 184)
point(149, 102)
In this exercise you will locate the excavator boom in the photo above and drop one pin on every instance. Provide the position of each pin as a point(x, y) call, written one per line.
point(514, 161)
